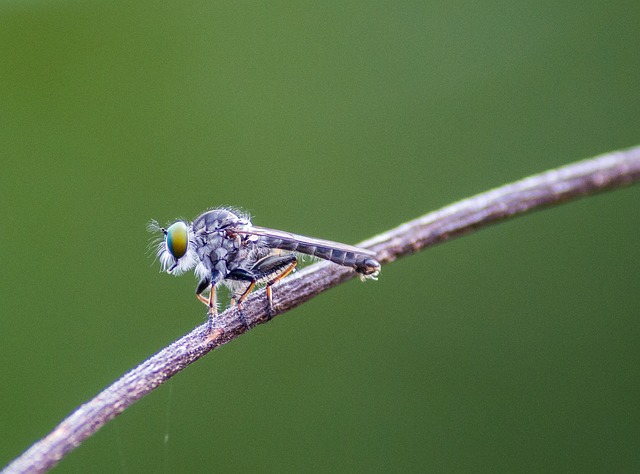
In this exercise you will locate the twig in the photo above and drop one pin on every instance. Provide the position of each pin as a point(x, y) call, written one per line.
point(550, 188)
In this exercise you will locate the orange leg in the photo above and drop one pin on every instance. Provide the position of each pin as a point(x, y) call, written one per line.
point(210, 301)
point(246, 292)
point(204, 299)
point(274, 281)
point(213, 303)
point(237, 303)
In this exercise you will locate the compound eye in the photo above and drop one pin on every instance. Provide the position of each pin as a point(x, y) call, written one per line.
point(177, 239)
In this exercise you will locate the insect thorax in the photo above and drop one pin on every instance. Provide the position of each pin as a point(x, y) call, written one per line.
point(216, 247)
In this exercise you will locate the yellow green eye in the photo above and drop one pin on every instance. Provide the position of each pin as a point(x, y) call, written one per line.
point(177, 239)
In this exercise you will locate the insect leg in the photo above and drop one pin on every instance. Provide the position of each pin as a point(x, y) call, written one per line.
point(272, 269)
point(240, 274)
point(211, 301)
point(202, 286)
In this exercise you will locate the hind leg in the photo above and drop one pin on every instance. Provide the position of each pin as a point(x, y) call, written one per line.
point(272, 269)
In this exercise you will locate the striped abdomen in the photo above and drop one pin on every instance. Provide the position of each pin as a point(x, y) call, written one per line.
point(362, 261)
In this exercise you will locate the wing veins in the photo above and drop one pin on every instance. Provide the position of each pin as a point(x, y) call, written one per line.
point(311, 241)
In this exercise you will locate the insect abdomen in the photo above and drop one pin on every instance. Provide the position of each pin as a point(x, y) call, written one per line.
point(360, 262)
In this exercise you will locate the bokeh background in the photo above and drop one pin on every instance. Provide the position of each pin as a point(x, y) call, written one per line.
point(515, 349)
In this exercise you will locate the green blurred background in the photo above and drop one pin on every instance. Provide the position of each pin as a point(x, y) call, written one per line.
point(515, 349)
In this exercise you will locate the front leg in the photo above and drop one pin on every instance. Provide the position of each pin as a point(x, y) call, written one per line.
point(211, 301)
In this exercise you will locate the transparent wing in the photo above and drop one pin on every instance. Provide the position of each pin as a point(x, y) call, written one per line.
point(301, 239)
point(361, 260)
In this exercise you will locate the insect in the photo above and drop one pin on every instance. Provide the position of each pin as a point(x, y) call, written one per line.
point(226, 248)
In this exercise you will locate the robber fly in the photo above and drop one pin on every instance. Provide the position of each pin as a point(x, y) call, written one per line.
point(225, 248)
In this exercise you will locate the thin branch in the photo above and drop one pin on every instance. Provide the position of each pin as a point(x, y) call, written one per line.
point(550, 188)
